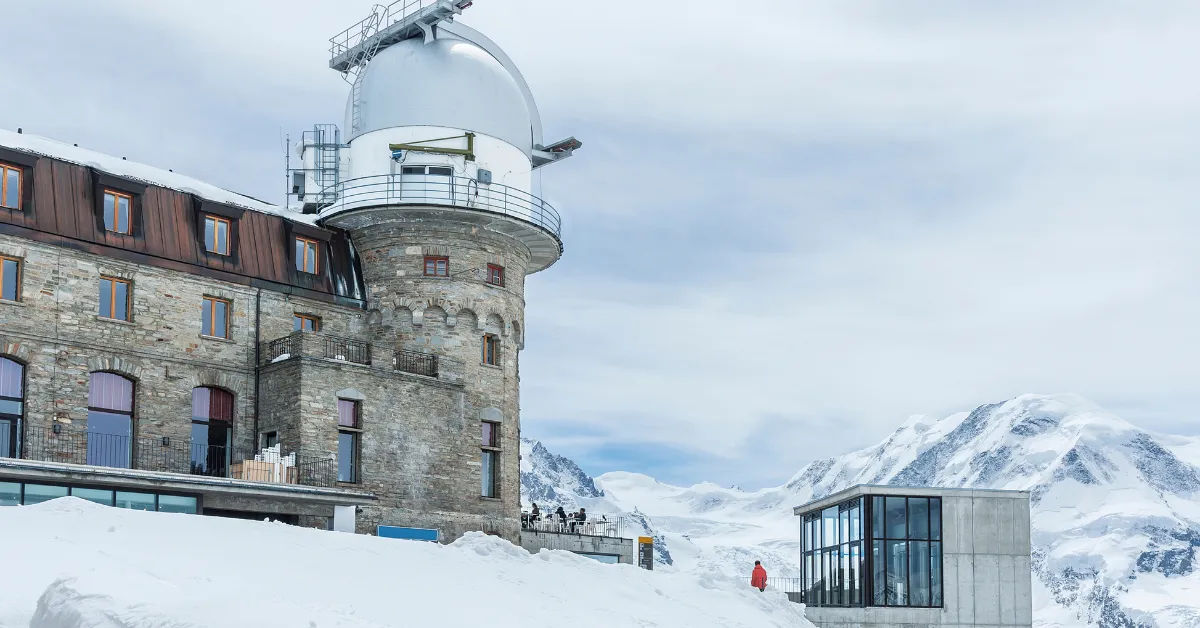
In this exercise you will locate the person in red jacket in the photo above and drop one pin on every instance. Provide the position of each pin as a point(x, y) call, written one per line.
point(758, 579)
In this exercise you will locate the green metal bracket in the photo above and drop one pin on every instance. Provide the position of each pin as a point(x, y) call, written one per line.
point(469, 152)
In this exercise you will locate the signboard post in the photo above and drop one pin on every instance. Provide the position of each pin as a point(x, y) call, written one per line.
point(646, 553)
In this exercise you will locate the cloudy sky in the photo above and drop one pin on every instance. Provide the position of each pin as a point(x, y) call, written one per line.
point(791, 227)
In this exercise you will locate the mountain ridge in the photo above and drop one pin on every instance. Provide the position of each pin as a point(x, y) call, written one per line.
point(1116, 509)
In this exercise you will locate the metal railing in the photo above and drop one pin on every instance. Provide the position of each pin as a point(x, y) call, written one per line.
point(598, 525)
point(381, 19)
point(166, 455)
point(282, 349)
point(416, 363)
point(423, 189)
point(792, 587)
point(347, 350)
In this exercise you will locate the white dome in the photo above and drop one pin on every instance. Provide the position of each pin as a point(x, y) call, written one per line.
point(447, 83)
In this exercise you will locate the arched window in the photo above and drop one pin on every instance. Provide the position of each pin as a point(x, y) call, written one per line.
point(12, 405)
point(212, 431)
point(110, 421)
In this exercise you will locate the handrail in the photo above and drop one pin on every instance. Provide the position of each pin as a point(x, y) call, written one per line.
point(462, 192)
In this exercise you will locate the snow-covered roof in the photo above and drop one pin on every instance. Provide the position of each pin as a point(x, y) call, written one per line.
point(143, 173)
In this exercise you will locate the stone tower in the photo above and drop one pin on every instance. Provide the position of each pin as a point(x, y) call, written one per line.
point(436, 183)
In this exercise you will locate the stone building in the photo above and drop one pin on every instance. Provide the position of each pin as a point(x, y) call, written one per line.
point(349, 361)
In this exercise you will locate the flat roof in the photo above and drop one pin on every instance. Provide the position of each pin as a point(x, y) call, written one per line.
point(910, 491)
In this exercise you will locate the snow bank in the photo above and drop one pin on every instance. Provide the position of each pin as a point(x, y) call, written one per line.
point(73, 564)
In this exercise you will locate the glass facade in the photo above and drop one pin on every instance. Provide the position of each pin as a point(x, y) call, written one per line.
point(16, 494)
point(874, 551)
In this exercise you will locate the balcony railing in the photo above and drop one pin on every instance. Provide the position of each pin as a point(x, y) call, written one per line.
point(792, 587)
point(423, 189)
point(314, 345)
point(594, 525)
point(416, 363)
point(166, 455)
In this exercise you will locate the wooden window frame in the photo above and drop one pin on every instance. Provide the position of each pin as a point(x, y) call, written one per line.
point(117, 211)
point(495, 275)
point(491, 350)
point(20, 267)
point(217, 222)
point(212, 317)
point(495, 451)
point(495, 446)
point(435, 259)
point(316, 321)
point(4, 168)
point(302, 261)
point(112, 299)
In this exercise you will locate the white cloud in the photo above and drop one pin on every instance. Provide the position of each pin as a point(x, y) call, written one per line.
point(782, 214)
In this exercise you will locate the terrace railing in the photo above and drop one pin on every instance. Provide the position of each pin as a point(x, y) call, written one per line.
point(314, 345)
point(167, 455)
point(416, 363)
point(598, 525)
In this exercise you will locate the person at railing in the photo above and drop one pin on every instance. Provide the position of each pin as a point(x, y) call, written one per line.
point(535, 515)
point(562, 517)
point(579, 519)
point(758, 578)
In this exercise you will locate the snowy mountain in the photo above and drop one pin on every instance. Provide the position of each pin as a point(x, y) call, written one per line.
point(1116, 509)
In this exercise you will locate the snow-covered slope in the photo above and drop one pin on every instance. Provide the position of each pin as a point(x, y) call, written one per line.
point(1116, 510)
point(73, 564)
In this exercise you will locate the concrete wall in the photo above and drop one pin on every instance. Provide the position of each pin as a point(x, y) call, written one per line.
point(986, 571)
point(536, 541)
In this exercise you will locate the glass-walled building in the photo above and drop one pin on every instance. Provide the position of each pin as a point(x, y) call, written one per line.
point(881, 555)
point(874, 550)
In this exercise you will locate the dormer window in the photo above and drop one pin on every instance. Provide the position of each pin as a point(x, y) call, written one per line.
point(306, 255)
point(118, 207)
point(216, 235)
point(10, 186)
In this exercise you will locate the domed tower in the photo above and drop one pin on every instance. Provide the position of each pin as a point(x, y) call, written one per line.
point(436, 183)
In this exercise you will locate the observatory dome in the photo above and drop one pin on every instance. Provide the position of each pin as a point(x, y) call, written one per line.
point(446, 83)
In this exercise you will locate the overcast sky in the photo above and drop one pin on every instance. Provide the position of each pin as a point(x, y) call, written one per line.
point(790, 228)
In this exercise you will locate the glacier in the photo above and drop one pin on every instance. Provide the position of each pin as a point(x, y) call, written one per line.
point(1115, 509)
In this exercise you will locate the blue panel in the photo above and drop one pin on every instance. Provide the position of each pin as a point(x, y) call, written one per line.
point(407, 534)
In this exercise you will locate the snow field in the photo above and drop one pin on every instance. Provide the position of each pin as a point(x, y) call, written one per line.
point(74, 564)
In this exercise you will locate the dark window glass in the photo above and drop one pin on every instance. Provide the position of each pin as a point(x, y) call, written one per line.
point(270, 439)
point(935, 573)
point(176, 503)
point(877, 512)
point(109, 420)
point(10, 494)
point(12, 405)
point(306, 255)
point(437, 266)
point(897, 572)
point(10, 186)
point(491, 349)
point(10, 279)
point(897, 520)
point(918, 573)
point(37, 493)
point(412, 170)
point(935, 518)
point(856, 575)
point(135, 501)
point(489, 473)
point(301, 322)
point(438, 171)
point(347, 457)
point(212, 431)
point(918, 518)
point(114, 299)
point(116, 211)
point(214, 318)
point(879, 574)
point(95, 495)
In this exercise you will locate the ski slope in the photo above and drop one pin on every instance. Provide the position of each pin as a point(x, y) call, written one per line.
point(74, 564)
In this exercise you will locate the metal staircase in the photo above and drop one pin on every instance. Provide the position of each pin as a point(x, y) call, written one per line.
point(327, 142)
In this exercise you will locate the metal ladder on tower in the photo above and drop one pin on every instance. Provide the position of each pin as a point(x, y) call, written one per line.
point(370, 30)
